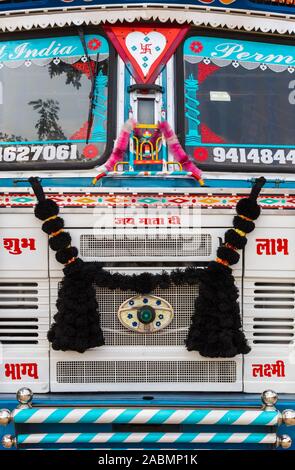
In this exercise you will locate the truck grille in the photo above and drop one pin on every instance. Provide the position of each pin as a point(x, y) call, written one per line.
point(23, 312)
point(148, 245)
point(181, 298)
point(146, 371)
point(270, 312)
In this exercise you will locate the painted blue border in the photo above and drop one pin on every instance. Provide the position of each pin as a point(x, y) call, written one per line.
point(142, 183)
point(235, 4)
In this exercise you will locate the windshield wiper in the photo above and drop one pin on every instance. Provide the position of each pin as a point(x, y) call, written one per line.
point(93, 75)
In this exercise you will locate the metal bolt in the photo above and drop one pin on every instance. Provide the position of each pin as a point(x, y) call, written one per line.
point(5, 417)
point(24, 396)
point(284, 441)
point(269, 399)
point(288, 417)
point(8, 441)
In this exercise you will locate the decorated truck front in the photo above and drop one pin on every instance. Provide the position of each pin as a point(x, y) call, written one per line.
point(147, 233)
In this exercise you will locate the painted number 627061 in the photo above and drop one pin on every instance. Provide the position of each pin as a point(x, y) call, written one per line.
point(26, 153)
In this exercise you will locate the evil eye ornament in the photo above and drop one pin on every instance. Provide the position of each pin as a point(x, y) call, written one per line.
point(145, 313)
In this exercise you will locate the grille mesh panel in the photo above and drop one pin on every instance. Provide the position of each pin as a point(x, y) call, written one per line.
point(145, 245)
point(180, 297)
point(146, 371)
point(271, 313)
point(19, 302)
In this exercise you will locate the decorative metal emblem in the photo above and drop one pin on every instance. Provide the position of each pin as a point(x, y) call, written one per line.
point(145, 313)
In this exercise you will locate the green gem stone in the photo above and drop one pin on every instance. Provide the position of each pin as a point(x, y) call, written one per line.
point(146, 314)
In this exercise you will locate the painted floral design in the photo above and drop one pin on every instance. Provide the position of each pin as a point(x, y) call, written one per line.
point(94, 44)
point(90, 151)
point(196, 47)
point(201, 154)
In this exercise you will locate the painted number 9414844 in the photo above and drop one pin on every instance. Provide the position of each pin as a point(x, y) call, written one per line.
point(33, 153)
point(264, 156)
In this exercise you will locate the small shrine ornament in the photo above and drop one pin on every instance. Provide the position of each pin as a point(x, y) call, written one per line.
point(145, 313)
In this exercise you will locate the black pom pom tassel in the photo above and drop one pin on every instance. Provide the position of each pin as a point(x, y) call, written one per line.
point(76, 325)
point(216, 329)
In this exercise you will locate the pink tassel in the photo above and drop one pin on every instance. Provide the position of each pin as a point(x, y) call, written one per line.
point(119, 150)
point(178, 153)
point(166, 129)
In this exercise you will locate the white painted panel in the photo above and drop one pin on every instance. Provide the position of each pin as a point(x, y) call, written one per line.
point(269, 324)
point(271, 248)
point(20, 358)
point(23, 252)
point(263, 356)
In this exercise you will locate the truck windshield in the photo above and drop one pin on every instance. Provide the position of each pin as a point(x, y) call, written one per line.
point(240, 103)
point(44, 101)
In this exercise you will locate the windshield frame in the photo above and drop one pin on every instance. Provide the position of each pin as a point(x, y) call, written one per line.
point(111, 104)
point(283, 40)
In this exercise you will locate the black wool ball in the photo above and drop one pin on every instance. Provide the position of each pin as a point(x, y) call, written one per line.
point(249, 208)
point(246, 226)
point(45, 209)
point(60, 241)
point(143, 283)
point(227, 254)
point(74, 269)
point(52, 226)
point(65, 255)
point(233, 238)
